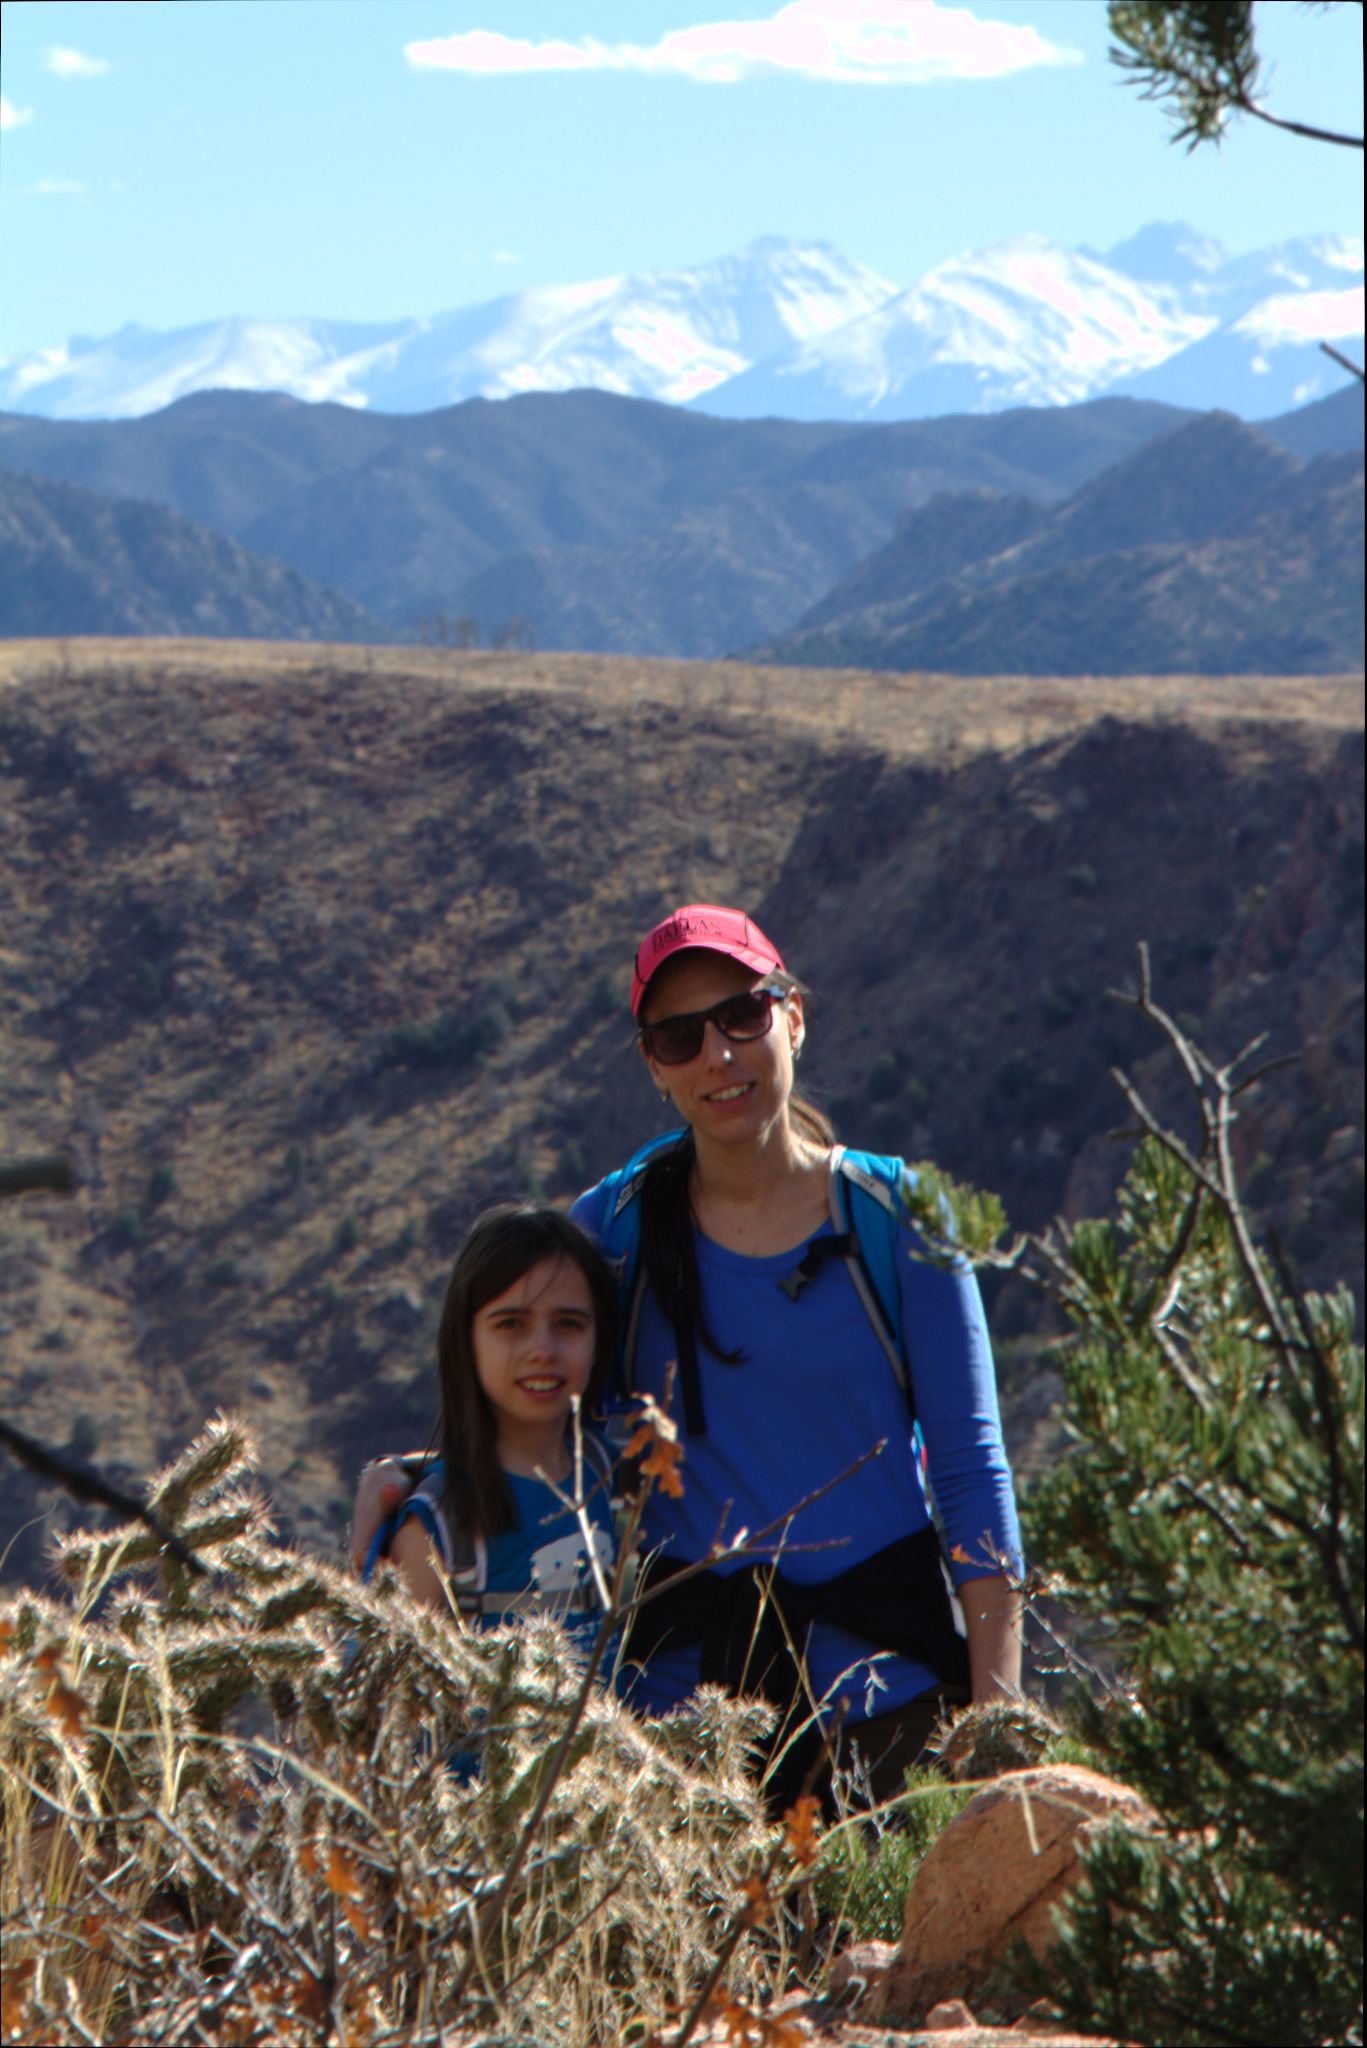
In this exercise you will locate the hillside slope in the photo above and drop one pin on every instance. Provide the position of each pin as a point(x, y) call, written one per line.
point(1209, 551)
point(307, 956)
point(74, 561)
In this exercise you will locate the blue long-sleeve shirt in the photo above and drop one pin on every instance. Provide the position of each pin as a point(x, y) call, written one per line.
point(814, 1393)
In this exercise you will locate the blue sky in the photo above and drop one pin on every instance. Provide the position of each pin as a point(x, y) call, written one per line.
point(370, 159)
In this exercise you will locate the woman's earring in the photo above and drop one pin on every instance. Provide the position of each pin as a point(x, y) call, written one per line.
point(664, 1095)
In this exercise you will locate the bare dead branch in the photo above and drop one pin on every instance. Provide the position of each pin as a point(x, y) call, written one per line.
point(45, 1173)
point(1345, 362)
point(85, 1483)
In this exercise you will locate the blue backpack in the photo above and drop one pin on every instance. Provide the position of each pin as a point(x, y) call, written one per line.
point(869, 1217)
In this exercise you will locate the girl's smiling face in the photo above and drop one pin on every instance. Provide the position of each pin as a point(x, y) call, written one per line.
point(533, 1347)
point(733, 1090)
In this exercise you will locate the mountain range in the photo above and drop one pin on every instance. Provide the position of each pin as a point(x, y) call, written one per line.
point(1210, 551)
point(580, 520)
point(603, 522)
point(791, 329)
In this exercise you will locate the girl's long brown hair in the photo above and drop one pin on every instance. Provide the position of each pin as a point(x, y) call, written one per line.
point(503, 1245)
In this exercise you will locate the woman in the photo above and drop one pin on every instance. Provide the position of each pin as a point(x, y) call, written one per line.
point(784, 1385)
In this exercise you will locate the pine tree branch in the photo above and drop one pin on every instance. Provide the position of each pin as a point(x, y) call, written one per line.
point(1311, 133)
point(1330, 1543)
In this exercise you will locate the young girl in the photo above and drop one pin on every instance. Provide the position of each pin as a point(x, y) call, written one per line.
point(529, 1322)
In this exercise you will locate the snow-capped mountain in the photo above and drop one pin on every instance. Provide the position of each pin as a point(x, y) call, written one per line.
point(1022, 323)
point(1026, 322)
point(666, 335)
point(1266, 361)
point(793, 329)
point(1274, 306)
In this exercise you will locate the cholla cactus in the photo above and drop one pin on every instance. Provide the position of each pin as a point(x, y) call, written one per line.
point(228, 1812)
point(993, 1737)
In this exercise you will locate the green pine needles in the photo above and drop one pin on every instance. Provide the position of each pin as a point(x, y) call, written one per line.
point(1208, 1526)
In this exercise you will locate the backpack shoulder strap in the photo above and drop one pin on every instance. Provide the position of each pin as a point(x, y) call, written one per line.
point(865, 1206)
point(464, 1557)
point(600, 1457)
point(619, 1241)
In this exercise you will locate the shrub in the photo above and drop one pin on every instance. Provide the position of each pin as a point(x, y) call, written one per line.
point(128, 1230)
point(222, 1273)
point(1060, 1001)
point(84, 1439)
point(605, 996)
point(862, 1884)
point(161, 1185)
point(1207, 1530)
point(293, 1165)
point(885, 1078)
point(1083, 879)
point(346, 1236)
point(1208, 1525)
point(571, 1165)
point(455, 1039)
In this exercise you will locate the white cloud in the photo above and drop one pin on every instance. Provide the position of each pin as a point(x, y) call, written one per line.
point(507, 256)
point(12, 116)
point(846, 42)
point(58, 188)
point(73, 64)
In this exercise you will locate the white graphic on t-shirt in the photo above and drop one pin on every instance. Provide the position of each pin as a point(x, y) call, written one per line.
point(558, 1567)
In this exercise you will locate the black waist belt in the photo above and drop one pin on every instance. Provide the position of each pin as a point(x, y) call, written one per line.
point(895, 1600)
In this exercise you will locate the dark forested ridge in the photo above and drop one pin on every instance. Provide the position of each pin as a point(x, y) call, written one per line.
point(593, 521)
point(1210, 551)
point(75, 561)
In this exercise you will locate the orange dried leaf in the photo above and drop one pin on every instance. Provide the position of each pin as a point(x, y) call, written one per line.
point(655, 1441)
point(758, 1901)
point(662, 1464)
point(341, 1877)
point(67, 1706)
point(14, 1989)
point(733, 2016)
point(308, 1860)
point(309, 1998)
point(6, 1634)
point(48, 1658)
point(356, 1916)
point(799, 1829)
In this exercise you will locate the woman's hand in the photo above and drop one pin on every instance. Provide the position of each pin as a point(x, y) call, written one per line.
point(383, 1485)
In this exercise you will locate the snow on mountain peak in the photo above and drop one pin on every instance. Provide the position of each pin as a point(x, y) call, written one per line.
point(791, 328)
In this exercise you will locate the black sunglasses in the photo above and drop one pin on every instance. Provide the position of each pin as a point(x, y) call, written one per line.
point(674, 1040)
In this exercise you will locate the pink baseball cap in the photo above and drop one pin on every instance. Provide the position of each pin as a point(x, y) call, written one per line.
point(708, 928)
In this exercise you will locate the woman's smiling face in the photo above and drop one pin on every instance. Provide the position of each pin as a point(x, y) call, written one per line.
point(732, 1091)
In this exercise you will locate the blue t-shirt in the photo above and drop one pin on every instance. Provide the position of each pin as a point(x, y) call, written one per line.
point(815, 1391)
point(544, 1555)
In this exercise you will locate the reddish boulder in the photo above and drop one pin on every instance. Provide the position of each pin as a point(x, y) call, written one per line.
point(995, 1871)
